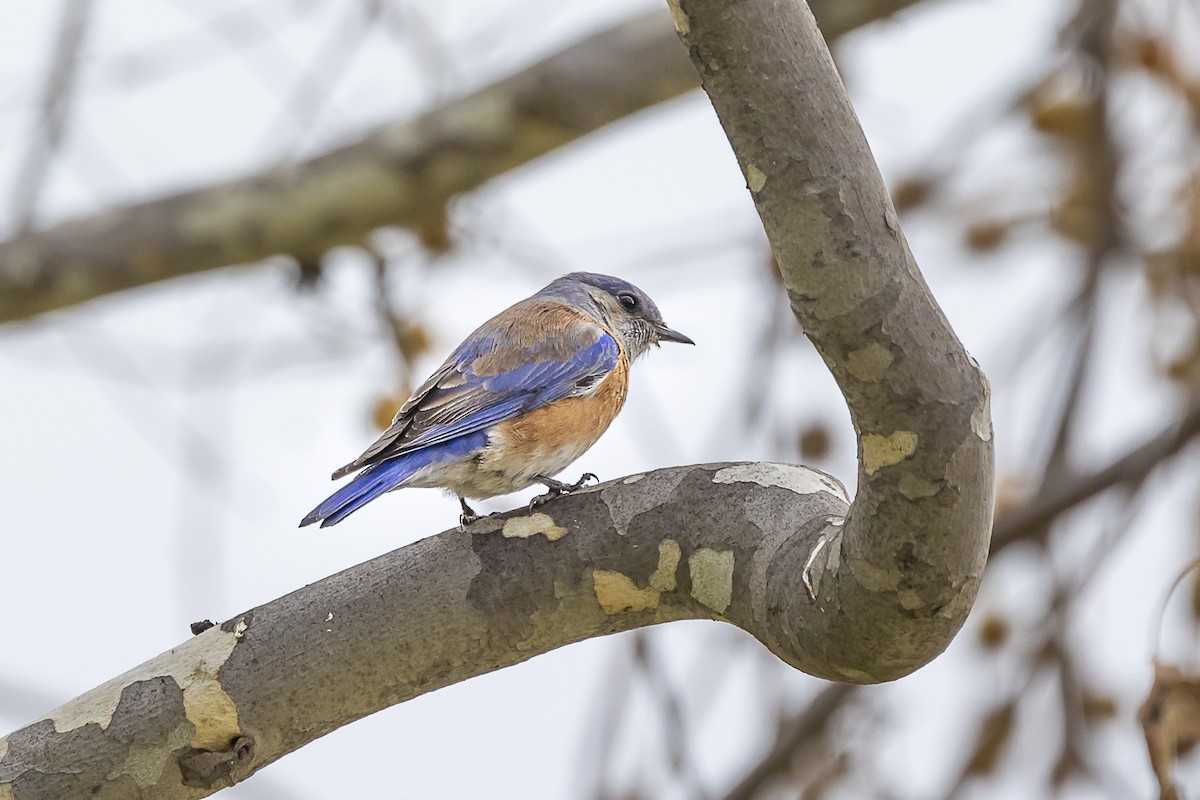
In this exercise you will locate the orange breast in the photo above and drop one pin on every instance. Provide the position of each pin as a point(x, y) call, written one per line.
point(573, 424)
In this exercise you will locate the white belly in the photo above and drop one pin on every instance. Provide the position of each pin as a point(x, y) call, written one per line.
point(497, 471)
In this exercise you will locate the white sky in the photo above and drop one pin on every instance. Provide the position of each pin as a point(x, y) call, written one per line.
point(159, 447)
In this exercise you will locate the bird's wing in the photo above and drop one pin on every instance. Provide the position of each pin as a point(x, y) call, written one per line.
point(512, 364)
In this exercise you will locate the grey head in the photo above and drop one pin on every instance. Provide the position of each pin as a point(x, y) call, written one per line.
point(618, 304)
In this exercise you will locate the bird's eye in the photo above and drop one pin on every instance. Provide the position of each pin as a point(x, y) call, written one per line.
point(628, 300)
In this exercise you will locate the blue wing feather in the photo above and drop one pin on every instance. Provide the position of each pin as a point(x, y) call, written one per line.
point(462, 398)
point(498, 397)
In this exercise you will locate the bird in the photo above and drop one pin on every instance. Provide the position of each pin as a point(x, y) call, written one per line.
point(524, 396)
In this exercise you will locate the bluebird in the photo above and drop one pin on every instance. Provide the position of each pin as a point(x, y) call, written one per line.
point(516, 403)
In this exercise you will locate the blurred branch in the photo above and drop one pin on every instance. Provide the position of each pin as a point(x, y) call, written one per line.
point(1096, 166)
point(675, 729)
point(55, 103)
point(1034, 520)
point(1055, 498)
point(399, 174)
point(804, 727)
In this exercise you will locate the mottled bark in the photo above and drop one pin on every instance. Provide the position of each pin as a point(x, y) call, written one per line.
point(902, 573)
point(403, 173)
point(697, 542)
point(865, 592)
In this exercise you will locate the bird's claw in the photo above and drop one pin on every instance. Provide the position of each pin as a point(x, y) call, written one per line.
point(555, 488)
point(583, 480)
point(467, 516)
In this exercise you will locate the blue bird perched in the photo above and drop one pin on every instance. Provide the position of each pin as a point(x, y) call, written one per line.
point(516, 403)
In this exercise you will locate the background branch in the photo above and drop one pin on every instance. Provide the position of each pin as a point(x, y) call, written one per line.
point(402, 174)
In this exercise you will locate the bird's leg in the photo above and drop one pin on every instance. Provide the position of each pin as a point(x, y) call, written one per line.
point(468, 514)
point(555, 488)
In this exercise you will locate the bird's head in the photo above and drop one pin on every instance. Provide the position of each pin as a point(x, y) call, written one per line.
point(621, 306)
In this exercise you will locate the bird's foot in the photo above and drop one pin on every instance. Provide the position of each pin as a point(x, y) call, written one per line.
point(467, 516)
point(555, 488)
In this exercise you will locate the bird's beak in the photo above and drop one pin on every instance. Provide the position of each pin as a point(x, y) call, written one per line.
point(665, 334)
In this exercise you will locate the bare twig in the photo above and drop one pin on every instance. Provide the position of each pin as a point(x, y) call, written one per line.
point(54, 107)
point(1030, 521)
point(800, 730)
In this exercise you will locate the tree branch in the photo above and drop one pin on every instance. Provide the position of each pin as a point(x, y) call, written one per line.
point(1055, 498)
point(861, 593)
point(402, 173)
point(682, 543)
point(900, 576)
point(799, 730)
point(55, 104)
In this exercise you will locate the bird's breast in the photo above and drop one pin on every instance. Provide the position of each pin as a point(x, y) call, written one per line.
point(547, 440)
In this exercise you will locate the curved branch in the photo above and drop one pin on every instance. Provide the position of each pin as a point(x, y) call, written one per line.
point(903, 573)
point(863, 593)
point(693, 542)
point(403, 173)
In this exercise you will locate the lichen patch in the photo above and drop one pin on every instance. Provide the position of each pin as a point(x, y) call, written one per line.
point(679, 18)
point(211, 710)
point(524, 527)
point(756, 179)
point(875, 578)
point(712, 577)
point(6, 791)
point(194, 666)
point(663, 578)
point(800, 480)
point(852, 675)
point(881, 451)
point(145, 761)
point(891, 220)
point(869, 364)
point(981, 418)
point(910, 599)
point(618, 594)
point(915, 487)
point(3, 748)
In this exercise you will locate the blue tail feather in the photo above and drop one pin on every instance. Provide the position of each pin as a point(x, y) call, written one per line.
point(369, 484)
point(387, 475)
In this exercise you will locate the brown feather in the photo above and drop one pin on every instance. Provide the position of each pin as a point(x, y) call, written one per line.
point(537, 329)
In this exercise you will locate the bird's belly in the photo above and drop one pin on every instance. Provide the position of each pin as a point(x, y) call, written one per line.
point(543, 442)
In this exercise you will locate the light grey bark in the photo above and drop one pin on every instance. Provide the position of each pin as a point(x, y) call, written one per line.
point(401, 174)
point(909, 559)
point(865, 592)
point(681, 543)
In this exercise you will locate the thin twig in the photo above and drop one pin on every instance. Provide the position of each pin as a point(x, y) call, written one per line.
point(54, 105)
point(808, 724)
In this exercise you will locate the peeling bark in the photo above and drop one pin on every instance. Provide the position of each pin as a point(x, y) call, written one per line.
point(911, 554)
point(860, 592)
point(402, 173)
point(697, 542)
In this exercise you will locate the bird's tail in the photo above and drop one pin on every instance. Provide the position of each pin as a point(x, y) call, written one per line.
point(366, 486)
